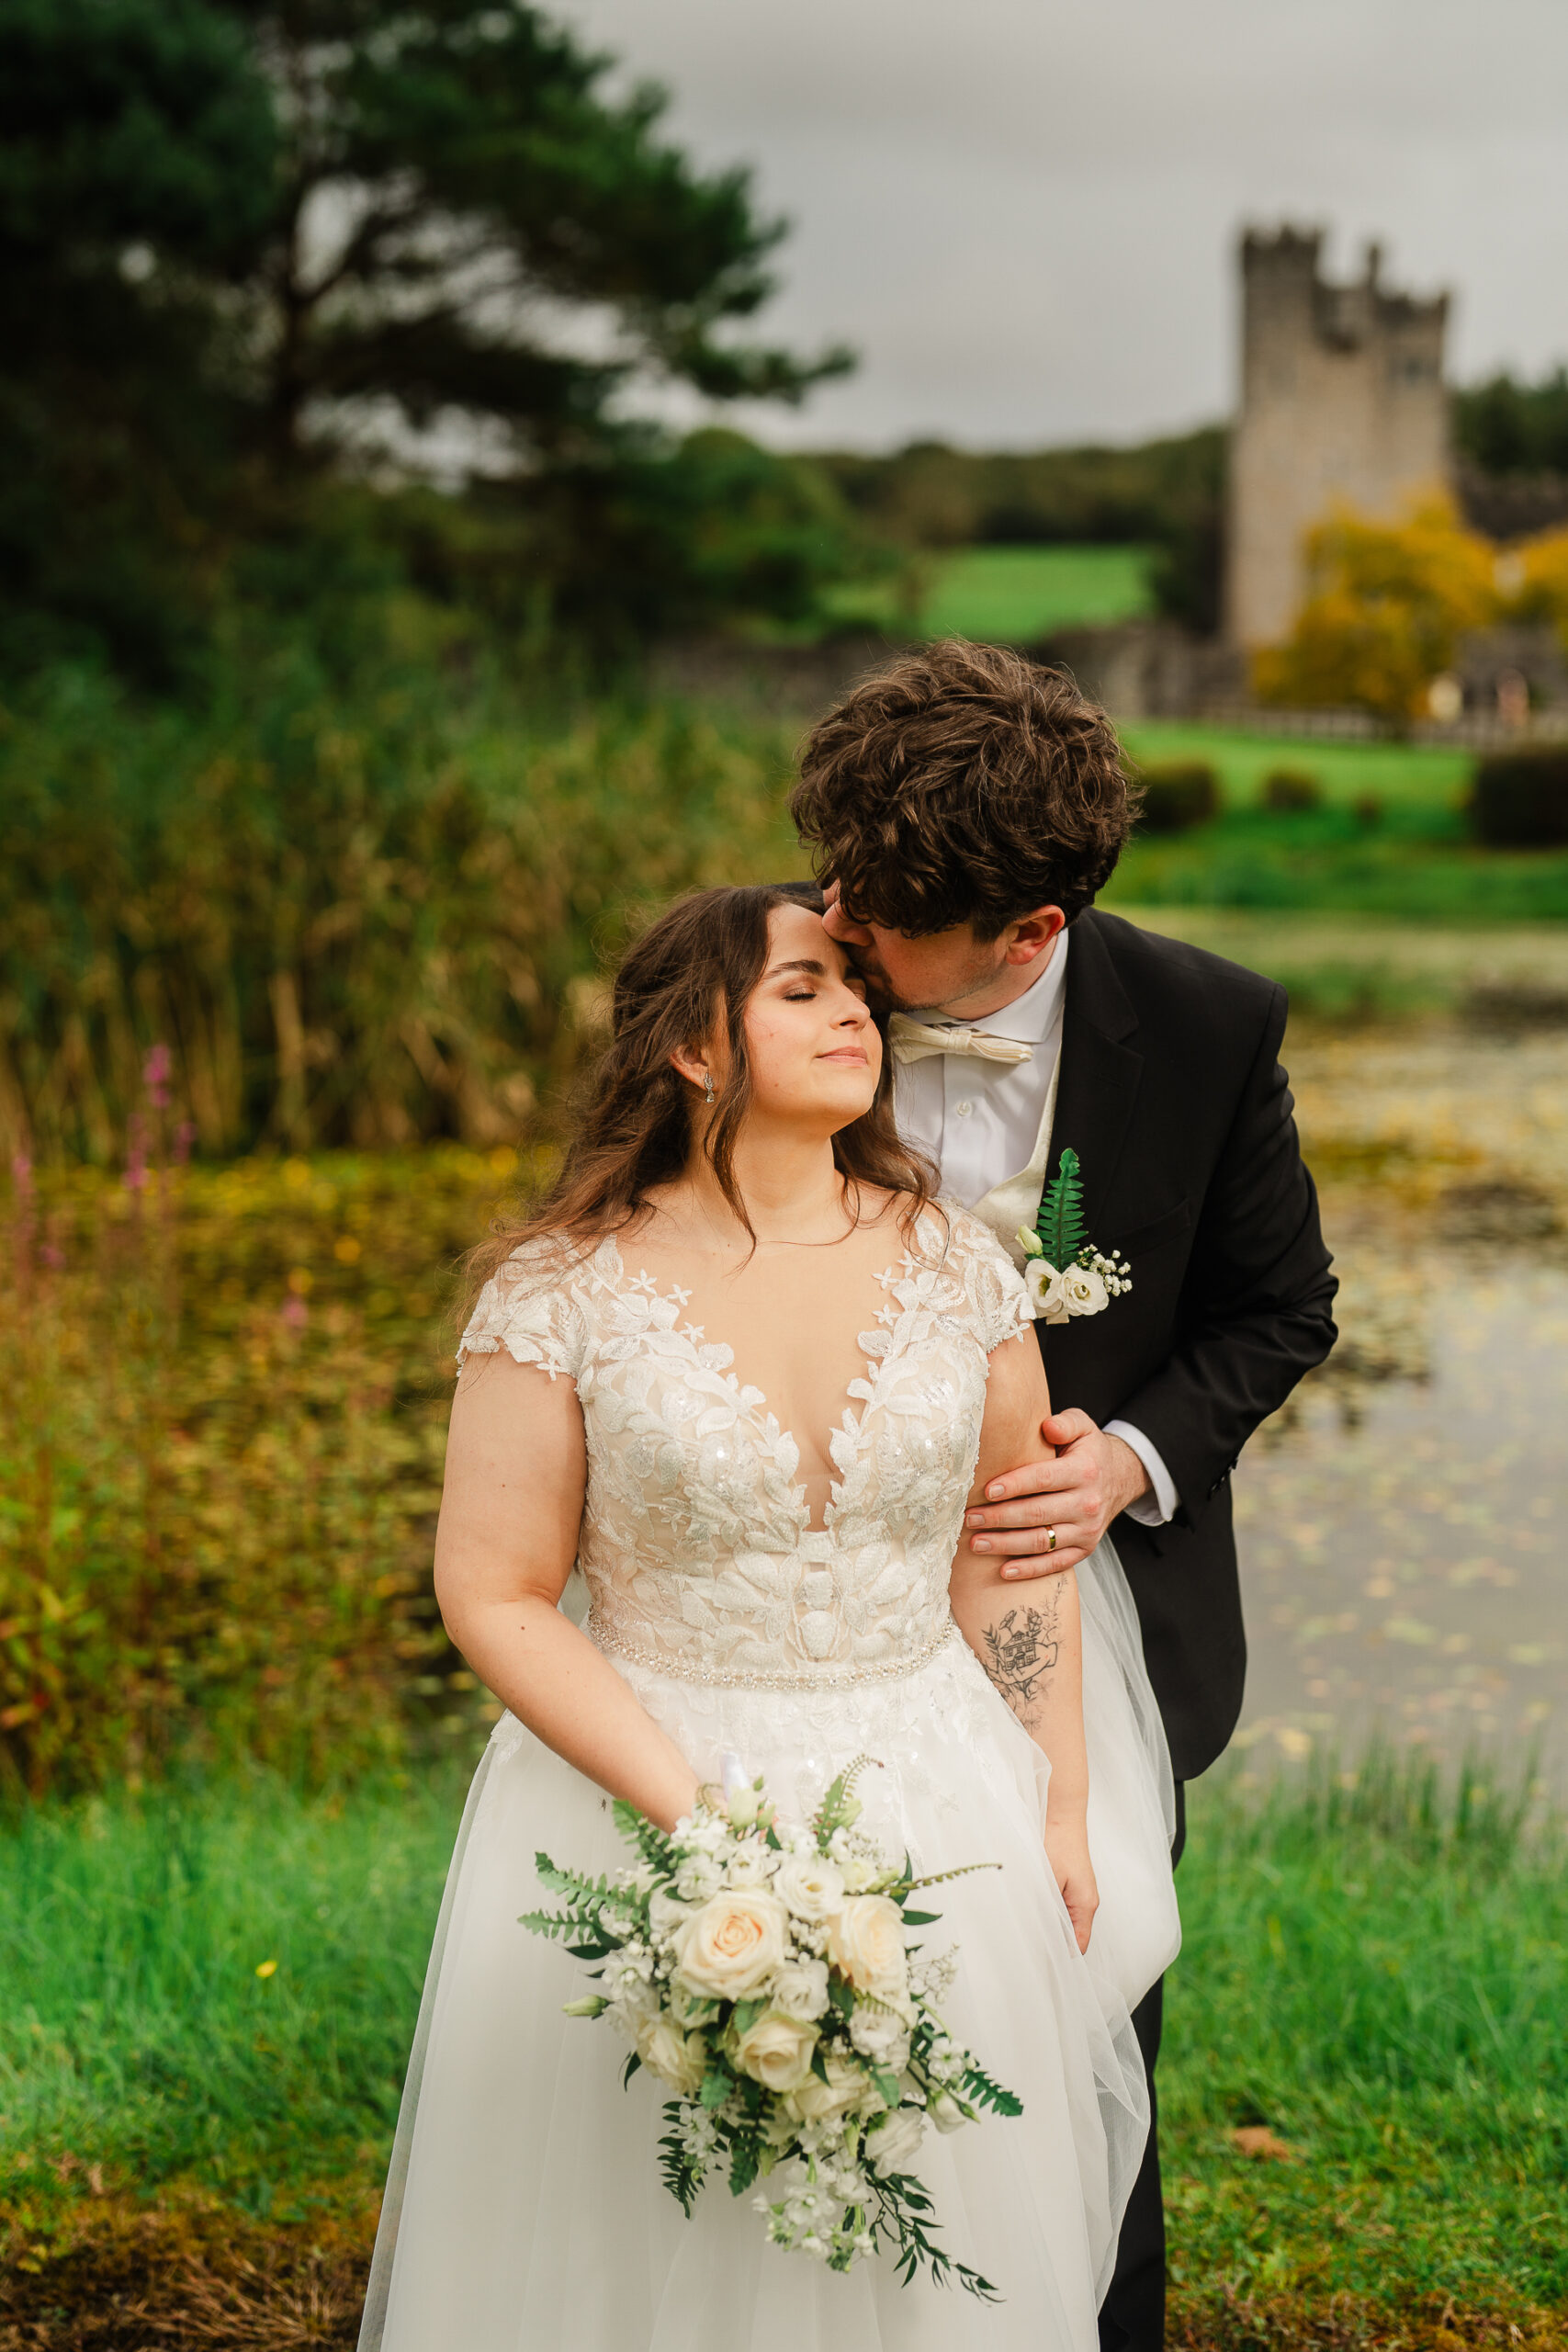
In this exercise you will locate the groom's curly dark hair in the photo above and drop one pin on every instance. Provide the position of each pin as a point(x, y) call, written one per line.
point(964, 784)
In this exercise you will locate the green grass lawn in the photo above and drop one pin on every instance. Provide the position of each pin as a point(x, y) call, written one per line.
point(1009, 595)
point(1378, 1980)
point(1430, 779)
point(1389, 838)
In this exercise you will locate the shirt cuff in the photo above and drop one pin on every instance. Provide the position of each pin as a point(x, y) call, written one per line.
point(1149, 1511)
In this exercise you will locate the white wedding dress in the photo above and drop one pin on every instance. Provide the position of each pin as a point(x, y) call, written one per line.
point(523, 2209)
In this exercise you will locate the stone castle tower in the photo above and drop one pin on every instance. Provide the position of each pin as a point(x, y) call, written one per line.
point(1342, 397)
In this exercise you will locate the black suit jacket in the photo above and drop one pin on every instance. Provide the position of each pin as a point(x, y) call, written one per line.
point(1173, 1098)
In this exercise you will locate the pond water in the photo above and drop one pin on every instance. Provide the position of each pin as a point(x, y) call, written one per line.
point(1403, 1527)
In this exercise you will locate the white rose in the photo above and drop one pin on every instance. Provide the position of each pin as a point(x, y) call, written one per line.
point(734, 1943)
point(776, 2051)
point(1046, 1290)
point(811, 1886)
point(880, 2036)
point(893, 2141)
point(847, 2086)
point(865, 1943)
point(679, 2059)
point(1085, 1290)
point(800, 1988)
point(945, 2113)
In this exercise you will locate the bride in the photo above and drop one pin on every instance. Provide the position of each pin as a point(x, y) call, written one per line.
point(744, 1371)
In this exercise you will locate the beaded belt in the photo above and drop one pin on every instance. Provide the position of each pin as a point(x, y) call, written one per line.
point(676, 1669)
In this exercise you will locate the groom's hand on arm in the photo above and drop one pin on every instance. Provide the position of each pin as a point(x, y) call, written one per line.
point(1093, 1477)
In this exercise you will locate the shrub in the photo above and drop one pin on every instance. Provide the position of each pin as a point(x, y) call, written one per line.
point(1290, 792)
point(222, 1406)
point(1178, 794)
point(1519, 799)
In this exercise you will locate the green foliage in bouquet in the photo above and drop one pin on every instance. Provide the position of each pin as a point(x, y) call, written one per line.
point(767, 1977)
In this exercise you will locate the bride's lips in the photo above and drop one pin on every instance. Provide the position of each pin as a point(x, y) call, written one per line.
point(847, 1054)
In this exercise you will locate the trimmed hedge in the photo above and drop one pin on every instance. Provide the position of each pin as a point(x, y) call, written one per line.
point(1519, 799)
point(1290, 792)
point(1178, 794)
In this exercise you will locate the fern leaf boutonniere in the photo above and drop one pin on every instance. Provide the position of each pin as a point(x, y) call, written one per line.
point(1065, 1273)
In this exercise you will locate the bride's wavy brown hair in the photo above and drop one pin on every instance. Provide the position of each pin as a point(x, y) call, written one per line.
point(699, 962)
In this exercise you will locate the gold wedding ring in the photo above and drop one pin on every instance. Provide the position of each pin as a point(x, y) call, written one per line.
point(1050, 1538)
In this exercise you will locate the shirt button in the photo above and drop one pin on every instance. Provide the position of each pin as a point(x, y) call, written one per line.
point(963, 1109)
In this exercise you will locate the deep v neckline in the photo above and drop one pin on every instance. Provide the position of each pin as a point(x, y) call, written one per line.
point(752, 1402)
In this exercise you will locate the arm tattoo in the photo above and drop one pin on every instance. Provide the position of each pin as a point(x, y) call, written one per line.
point(1020, 1651)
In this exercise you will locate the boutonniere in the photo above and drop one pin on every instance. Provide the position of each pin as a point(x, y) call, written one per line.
point(1066, 1276)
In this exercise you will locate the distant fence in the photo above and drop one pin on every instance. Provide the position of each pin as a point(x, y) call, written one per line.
point(1146, 670)
point(1476, 732)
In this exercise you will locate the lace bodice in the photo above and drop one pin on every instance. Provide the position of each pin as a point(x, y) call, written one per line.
point(696, 1541)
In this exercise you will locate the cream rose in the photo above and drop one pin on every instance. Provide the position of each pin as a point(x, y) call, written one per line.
point(865, 1943)
point(776, 2051)
point(733, 1944)
point(847, 2086)
point(678, 2059)
point(1047, 1291)
point(800, 1988)
point(811, 1887)
point(1084, 1290)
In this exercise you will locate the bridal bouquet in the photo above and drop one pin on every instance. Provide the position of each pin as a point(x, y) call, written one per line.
point(767, 1976)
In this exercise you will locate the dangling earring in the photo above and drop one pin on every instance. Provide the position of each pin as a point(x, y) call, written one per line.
point(707, 1086)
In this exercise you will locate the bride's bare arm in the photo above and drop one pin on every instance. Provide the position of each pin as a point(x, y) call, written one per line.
point(1029, 1637)
point(516, 1471)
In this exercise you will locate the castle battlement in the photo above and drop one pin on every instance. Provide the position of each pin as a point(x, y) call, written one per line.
point(1342, 400)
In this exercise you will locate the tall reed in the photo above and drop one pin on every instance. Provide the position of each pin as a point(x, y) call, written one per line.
point(358, 921)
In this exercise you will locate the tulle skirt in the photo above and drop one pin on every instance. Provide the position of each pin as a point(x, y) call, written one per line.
point(523, 2209)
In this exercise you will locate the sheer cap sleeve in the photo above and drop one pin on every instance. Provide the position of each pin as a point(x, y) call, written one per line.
point(533, 1307)
point(995, 1288)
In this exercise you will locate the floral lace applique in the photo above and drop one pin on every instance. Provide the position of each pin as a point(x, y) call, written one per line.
point(696, 1540)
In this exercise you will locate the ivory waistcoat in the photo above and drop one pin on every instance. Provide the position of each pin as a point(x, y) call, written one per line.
point(1016, 1200)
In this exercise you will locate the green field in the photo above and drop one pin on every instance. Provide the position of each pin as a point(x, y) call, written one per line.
point(213, 1991)
point(1008, 596)
point(1389, 838)
point(1429, 780)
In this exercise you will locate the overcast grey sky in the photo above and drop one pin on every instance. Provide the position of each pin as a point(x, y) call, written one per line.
point(1023, 212)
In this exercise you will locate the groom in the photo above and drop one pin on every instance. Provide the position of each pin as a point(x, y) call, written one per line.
point(965, 807)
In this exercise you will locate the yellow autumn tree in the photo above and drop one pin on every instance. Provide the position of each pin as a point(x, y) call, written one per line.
point(1386, 606)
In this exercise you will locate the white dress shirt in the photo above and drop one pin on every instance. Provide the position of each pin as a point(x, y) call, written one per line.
point(979, 1121)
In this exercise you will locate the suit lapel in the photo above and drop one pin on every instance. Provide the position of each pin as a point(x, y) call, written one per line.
point(1100, 1074)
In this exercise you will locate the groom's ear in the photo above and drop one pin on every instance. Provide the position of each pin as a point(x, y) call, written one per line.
point(1029, 936)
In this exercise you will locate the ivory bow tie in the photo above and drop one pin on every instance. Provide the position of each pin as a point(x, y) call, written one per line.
point(913, 1040)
